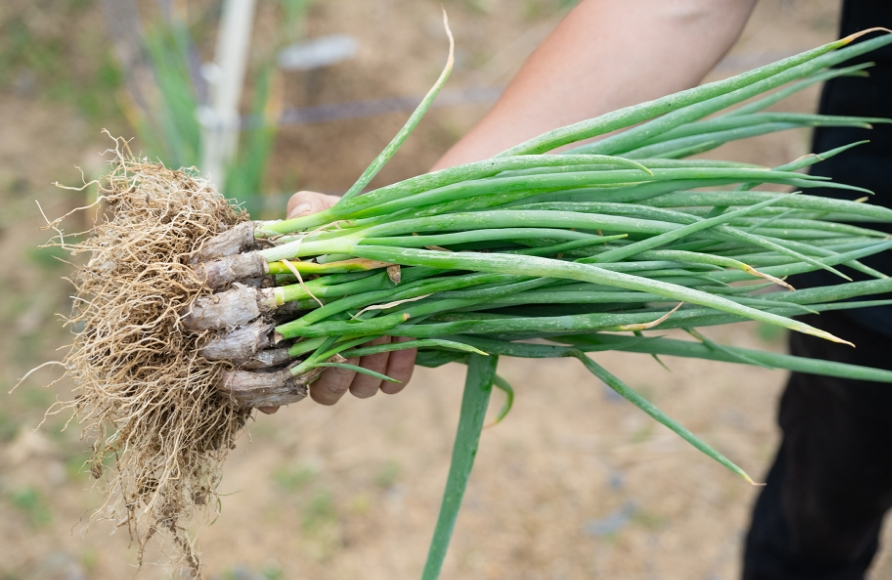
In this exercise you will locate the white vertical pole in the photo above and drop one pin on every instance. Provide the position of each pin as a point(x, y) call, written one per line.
point(221, 123)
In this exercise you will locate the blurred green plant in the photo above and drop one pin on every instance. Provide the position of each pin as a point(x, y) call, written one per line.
point(37, 59)
point(361, 504)
point(272, 572)
point(76, 466)
point(47, 258)
point(388, 475)
point(294, 478)
point(649, 520)
point(31, 502)
point(643, 434)
point(320, 510)
point(244, 177)
point(533, 9)
point(8, 426)
point(38, 399)
point(89, 560)
point(171, 130)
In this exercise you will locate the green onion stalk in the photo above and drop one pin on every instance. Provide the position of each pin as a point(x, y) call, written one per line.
point(585, 250)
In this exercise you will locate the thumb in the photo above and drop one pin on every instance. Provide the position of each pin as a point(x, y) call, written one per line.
point(309, 202)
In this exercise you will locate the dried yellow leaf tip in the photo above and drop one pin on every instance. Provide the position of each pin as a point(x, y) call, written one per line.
point(855, 36)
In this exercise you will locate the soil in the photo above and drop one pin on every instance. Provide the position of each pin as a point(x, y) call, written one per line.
point(575, 483)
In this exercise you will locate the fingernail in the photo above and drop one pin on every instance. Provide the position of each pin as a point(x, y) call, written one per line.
point(300, 209)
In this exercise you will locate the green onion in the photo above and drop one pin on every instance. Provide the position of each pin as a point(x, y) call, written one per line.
point(586, 251)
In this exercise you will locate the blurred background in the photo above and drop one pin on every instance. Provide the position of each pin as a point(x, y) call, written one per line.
point(575, 483)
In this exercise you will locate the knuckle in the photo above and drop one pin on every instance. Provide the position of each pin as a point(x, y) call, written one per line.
point(364, 391)
point(334, 381)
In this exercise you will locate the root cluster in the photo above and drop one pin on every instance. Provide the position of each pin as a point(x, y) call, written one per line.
point(144, 393)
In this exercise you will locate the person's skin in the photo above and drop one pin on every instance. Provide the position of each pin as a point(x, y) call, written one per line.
point(603, 56)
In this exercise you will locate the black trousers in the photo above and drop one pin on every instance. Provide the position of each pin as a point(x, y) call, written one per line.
point(819, 516)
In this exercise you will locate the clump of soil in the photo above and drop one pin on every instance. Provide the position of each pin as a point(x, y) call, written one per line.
point(144, 394)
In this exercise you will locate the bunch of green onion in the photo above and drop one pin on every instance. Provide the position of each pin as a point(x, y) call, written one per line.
point(584, 249)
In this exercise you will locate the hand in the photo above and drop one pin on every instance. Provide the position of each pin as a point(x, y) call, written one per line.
point(334, 382)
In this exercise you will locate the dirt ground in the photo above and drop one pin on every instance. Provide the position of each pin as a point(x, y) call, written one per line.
point(574, 484)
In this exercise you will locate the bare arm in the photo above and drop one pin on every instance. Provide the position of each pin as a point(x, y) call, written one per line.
point(606, 54)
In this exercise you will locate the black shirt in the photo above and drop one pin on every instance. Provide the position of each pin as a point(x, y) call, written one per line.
point(868, 165)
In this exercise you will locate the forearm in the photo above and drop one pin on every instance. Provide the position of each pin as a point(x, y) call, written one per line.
point(603, 56)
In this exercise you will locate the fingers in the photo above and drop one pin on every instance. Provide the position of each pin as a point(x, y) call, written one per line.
point(268, 410)
point(364, 386)
point(332, 385)
point(334, 382)
point(309, 202)
point(399, 366)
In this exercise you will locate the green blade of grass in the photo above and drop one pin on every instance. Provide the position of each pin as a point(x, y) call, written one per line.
point(446, 177)
point(536, 266)
point(504, 386)
point(394, 346)
point(638, 113)
point(695, 144)
point(633, 397)
point(398, 140)
point(357, 369)
point(618, 254)
point(727, 122)
point(685, 349)
point(785, 92)
point(478, 387)
point(634, 136)
point(741, 198)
